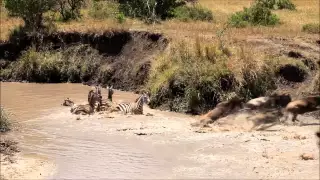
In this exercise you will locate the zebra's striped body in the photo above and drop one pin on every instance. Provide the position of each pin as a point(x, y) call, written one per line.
point(81, 109)
point(135, 107)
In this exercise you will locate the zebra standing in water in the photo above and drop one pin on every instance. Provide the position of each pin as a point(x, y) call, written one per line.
point(110, 92)
point(107, 103)
point(136, 107)
point(95, 98)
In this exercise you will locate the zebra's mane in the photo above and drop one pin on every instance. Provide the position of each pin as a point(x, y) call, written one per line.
point(138, 98)
point(141, 95)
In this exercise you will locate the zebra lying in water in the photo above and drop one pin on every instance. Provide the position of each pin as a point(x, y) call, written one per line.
point(135, 107)
point(83, 109)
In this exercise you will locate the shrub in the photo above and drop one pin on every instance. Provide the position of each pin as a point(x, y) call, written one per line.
point(4, 121)
point(75, 64)
point(255, 15)
point(189, 79)
point(186, 13)
point(149, 10)
point(313, 28)
point(31, 11)
point(195, 78)
point(70, 9)
point(276, 4)
point(121, 18)
point(257, 77)
point(103, 9)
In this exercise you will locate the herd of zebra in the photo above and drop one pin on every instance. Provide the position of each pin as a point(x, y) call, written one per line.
point(97, 103)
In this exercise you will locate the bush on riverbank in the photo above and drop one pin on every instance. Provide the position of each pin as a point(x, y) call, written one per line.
point(197, 78)
point(5, 124)
point(75, 64)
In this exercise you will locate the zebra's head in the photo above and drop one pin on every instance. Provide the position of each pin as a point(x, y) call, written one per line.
point(146, 98)
point(110, 90)
point(98, 89)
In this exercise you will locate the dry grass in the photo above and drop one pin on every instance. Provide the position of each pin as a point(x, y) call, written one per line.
point(7, 23)
point(193, 71)
point(5, 123)
point(292, 22)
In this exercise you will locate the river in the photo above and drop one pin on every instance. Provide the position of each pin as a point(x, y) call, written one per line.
point(144, 147)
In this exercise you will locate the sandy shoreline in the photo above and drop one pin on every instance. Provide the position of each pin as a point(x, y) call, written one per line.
point(216, 152)
point(27, 167)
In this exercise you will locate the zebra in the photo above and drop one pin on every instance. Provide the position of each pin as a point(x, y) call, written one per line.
point(135, 107)
point(107, 103)
point(110, 92)
point(95, 97)
point(82, 108)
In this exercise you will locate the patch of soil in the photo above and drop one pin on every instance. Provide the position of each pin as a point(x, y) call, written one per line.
point(305, 49)
point(7, 149)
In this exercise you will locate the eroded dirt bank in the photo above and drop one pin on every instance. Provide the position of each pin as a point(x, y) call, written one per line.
point(160, 146)
point(123, 57)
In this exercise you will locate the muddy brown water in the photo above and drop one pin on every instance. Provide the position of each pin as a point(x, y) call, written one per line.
point(80, 149)
point(158, 147)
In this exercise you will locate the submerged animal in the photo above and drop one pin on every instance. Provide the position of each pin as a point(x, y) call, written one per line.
point(221, 110)
point(135, 107)
point(67, 102)
point(301, 106)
